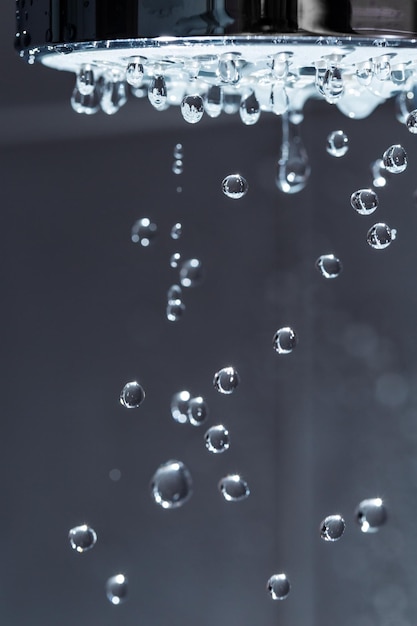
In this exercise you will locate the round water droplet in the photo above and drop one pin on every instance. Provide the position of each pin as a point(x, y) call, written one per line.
point(132, 395)
point(395, 159)
point(171, 485)
point(178, 167)
point(192, 108)
point(217, 439)
point(329, 265)
point(226, 380)
point(116, 589)
point(333, 86)
point(234, 488)
point(191, 273)
point(379, 236)
point(134, 72)
point(364, 201)
point(157, 93)
point(371, 515)
point(235, 186)
point(228, 68)
point(175, 310)
point(82, 538)
point(197, 411)
point(113, 93)
point(85, 80)
point(279, 586)
point(178, 153)
point(143, 232)
point(179, 406)
point(332, 528)
point(285, 340)
point(250, 110)
point(337, 143)
point(411, 122)
point(176, 231)
point(115, 474)
point(175, 259)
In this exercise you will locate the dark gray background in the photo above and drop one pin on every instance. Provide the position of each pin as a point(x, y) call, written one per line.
point(83, 312)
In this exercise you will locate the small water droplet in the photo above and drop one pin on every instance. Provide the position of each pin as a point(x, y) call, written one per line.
point(214, 101)
point(135, 72)
point(174, 293)
point(171, 485)
point(250, 110)
point(411, 122)
point(192, 108)
point(176, 231)
point(379, 236)
point(178, 167)
point(278, 99)
point(329, 265)
point(82, 538)
point(393, 233)
point(197, 411)
point(226, 380)
point(116, 589)
point(235, 186)
point(179, 406)
point(395, 159)
point(175, 310)
point(178, 152)
point(179, 189)
point(234, 488)
point(379, 173)
point(115, 474)
point(364, 201)
point(285, 340)
point(143, 232)
point(278, 586)
point(228, 68)
point(175, 260)
point(132, 395)
point(332, 528)
point(337, 143)
point(191, 273)
point(371, 515)
point(293, 169)
point(333, 86)
point(85, 80)
point(157, 93)
point(217, 439)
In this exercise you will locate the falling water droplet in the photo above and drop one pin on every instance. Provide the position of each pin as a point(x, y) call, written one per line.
point(226, 380)
point(175, 260)
point(250, 110)
point(88, 105)
point(113, 95)
point(364, 201)
point(379, 236)
point(393, 234)
point(191, 273)
point(371, 515)
point(337, 143)
point(285, 340)
point(231, 103)
point(176, 231)
point(278, 586)
point(132, 395)
point(82, 538)
point(293, 166)
point(192, 108)
point(178, 167)
point(178, 151)
point(175, 310)
point(332, 528)
point(214, 101)
point(234, 488)
point(116, 589)
point(278, 99)
point(143, 231)
point(179, 406)
point(395, 159)
point(134, 72)
point(235, 186)
point(197, 411)
point(329, 265)
point(228, 68)
point(115, 474)
point(333, 86)
point(411, 122)
point(171, 485)
point(157, 93)
point(217, 439)
point(85, 80)
point(174, 293)
point(379, 173)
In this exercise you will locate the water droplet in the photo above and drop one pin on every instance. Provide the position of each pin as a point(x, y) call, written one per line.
point(179, 406)
point(174, 293)
point(113, 95)
point(379, 236)
point(178, 151)
point(228, 68)
point(332, 528)
point(191, 273)
point(395, 159)
point(411, 122)
point(157, 93)
point(88, 105)
point(333, 86)
point(85, 80)
point(82, 538)
point(192, 108)
point(364, 201)
point(379, 173)
point(337, 143)
point(278, 99)
point(214, 101)
point(132, 395)
point(285, 340)
point(231, 103)
point(235, 186)
point(279, 66)
point(383, 68)
point(176, 231)
point(329, 265)
point(250, 110)
point(365, 73)
point(115, 474)
point(217, 439)
point(179, 189)
point(393, 234)
point(226, 380)
point(234, 488)
point(175, 259)
point(171, 485)
point(175, 310)
point(197, 411)
point(371, 515)
point(279, 586)
point(134, 72)
point(143, 231)
point(293, 169)
point(177, 167)
point(116, 589)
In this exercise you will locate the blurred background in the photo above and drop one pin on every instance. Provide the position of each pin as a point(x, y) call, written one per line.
point(84, 312)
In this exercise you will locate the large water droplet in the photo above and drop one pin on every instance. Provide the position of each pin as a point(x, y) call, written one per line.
point(234, 488)
point(228, 68)
point(250, 110)
point(332, 528)
point(132, 395)
point(214, 101)
point(371, 515)
point(278, 586)
point(175, 310)
point(329, 265)
point(85, 80)
point(293, 166)
point(333, 86)
point(191, 273)
point(197, 411)
point(143, 231)
point(82, 538)
point(364, 201)
point(278, 99)
point(395, 159)
point(134, 72)
point(171, 485)
point(226, 380)
point(116, 589)
point(192, 108)
point(113, 95)
point(337, 143)
point(285, 340)
point(217, 439)
point(235, 186)
point(176, 231)
point(157, 93)
point(175, 260)
point(379, 236)
point(411, 122)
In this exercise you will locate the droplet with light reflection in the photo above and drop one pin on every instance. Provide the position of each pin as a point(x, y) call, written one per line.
point(175, 310)
point(329, 266)
point(135, 72)
point(197, 411)
point(278, 586)
point(175, 260)
point(144, 232)
point(332, 528)
point(82, 538)
point(379, 236)
point(226, 380)
point(337, 143)
point(171, 485)
point(364, 201)
point(395, 159)
point(217, 439)
point(371, 514)
point(411, 122)
point(192, 108)
point(285, 340)
point(176, 231)
point(250, 109)
point(234, 488)
point(132, 395)
point(179, 406)
point(235, 186)
point(191, 273)
point(116, 589)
